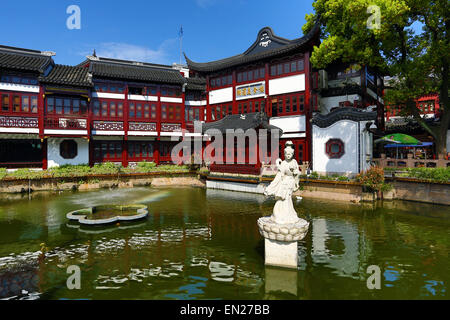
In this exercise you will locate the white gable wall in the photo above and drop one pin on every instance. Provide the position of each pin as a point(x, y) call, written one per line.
point(356, 141)
point(345, 130)
point(53, 153)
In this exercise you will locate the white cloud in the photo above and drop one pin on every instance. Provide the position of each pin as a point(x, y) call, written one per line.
point(125, 51)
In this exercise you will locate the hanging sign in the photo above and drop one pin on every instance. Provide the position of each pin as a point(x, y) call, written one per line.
point(252, 90)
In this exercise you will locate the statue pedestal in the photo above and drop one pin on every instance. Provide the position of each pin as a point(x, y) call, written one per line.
point(281, 280)
point(281, 247)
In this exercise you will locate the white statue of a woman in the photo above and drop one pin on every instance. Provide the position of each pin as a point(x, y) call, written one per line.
point(283, 186)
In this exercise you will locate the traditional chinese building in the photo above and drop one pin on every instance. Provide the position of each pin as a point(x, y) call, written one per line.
point(272, 76)
point(110, 110)
point(103, 110)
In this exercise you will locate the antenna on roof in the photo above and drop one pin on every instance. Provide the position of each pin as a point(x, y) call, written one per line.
point(181, 33)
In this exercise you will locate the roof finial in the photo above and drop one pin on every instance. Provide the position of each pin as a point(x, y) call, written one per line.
point(94, 54)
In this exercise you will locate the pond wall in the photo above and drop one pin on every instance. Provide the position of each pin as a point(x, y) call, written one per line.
point(99, 182)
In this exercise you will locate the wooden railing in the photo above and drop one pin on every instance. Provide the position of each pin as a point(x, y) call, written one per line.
point(411, 162)
point(236, 168)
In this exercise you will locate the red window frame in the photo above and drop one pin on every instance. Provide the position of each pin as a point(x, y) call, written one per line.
point(287, 100)
point(282, 71)
point(173, 112)
point(335, 142)
point(72, 107)
point(113, 151)
point(220, 111)
point(251, 105)
point(191, 116)
point(242, 76)
point(16, 103)
point(171, 91)
point(106, 113)
point(149, 110)
point(141, 151)
point(218, 82)
point(108, 87)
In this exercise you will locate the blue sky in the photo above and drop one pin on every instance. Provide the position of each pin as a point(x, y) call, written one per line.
point(148, 30)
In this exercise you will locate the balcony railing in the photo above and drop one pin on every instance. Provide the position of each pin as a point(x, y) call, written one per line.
point(65, 123)
point(411, 162)
point(18, 122)
point(142, 126)
point(108, 125)
point(236, 168)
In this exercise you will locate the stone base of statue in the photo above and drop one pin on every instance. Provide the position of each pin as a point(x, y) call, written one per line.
point(281, 248)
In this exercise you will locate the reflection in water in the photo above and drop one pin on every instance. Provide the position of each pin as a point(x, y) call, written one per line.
point(200, 244)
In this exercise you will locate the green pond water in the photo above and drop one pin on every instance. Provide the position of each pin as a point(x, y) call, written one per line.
point(204, 244)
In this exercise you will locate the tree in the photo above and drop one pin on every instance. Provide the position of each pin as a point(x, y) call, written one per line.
point(352, 31)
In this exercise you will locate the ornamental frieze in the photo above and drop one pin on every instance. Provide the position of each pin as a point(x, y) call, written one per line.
point(171, 127)
point(19, 122)
point(142, 126)
point(108, 125)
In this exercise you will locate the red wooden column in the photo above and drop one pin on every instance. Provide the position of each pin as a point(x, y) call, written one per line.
point(235, 107)
point(158, 128)
point(266, 79)
point(156, 151)
point(44, 154)
point(183, 114)
point(41, 119)
point(89, 129)
point(207, 109)
point(41, 111)
point(308, 113)
point(125, 128)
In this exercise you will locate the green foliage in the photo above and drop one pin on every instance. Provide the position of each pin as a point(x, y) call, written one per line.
point(372, 179)
point(106, 168)
point(26, 174)
point(69, 171)
point(203, 170)
point(419, 59)
point(314, 175)
point(431, 174)
point(3, 173)
point(81, 171)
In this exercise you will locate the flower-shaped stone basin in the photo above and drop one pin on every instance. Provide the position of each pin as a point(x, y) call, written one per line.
point(101, 215)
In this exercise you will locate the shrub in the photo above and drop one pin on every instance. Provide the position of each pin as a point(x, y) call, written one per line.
point(314, 175)
point(106, 168)
point(372, 179)
point(3, 173)
point(146, 165)
point(432, 174)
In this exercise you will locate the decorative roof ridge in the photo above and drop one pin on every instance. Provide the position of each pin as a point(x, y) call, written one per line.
point(24, 51)
point(129, 63)
point(234, 60)
point(343, 113)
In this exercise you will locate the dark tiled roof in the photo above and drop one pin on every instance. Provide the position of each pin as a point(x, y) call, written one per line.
point(255, 53)
point(68, 75)
point(237, 121)
point(130, 70)
point(24, 59)
point(196, 84)
point(345, 113)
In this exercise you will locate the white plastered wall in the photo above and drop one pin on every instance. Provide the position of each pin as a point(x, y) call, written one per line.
point(53, 152)
point(356, 139)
